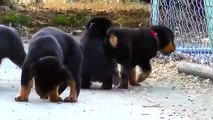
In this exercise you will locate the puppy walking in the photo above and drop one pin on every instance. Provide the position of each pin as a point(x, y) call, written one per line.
point(131, 47)
point(97, 66)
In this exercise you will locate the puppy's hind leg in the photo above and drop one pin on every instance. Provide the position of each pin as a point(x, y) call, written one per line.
point(85, 83)
point(107, 82)
point(146, 71)
point(124, 84)
point(132, 77)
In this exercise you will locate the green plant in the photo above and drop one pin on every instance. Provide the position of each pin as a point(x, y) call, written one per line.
point(8, 18)
point(60, 19)
point(74, 19)
point(23, 20)
point(15, 19)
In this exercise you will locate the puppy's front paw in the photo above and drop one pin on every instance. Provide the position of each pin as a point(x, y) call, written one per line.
point(141, 78)
point(135, 83)
point(71, 99)
point(21, 99)
point(56, 99)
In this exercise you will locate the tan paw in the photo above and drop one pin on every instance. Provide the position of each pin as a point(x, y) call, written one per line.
point(141, 78)
point(135, 84)
point(21, 99)
point(71, 99)
point(56, 99)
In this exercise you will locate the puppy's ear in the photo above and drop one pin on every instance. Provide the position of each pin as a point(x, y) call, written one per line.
point(113, 40)
point(44, 62)
point(89, 25)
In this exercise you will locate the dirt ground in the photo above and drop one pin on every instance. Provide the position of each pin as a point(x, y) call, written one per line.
point(165, 95)
point(75, 15)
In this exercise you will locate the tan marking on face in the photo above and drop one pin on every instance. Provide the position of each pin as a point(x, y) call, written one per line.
point(113, 40)
point(169, 48)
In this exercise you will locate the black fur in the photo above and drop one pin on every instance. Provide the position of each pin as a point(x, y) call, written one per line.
point(97, 66)
point(137, 47)
point(11, 46)
point(54, 58)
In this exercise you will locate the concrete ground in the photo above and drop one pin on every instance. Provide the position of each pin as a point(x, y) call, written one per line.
point(137, 103)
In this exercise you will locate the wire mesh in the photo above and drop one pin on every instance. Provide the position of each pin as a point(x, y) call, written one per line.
point(187, 19)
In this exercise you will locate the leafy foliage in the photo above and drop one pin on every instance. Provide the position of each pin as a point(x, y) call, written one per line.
point(71, 20)
point(15, 19)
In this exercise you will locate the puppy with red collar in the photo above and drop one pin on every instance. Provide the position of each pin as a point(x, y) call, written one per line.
point(131, 47)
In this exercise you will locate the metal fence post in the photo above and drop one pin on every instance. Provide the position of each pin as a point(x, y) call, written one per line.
point(155, 12)
point(209, 18)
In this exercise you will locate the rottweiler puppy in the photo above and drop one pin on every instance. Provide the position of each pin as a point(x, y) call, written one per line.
point(131, 47)
point(97, 66)
point(11, 46)
point(54, 58)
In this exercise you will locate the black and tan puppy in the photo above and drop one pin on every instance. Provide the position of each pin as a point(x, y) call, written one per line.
point(54, 57)
point(11, 46)
point(97, 66)
point(131, 47)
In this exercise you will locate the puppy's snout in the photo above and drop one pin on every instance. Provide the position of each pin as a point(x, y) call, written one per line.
point(169, 49)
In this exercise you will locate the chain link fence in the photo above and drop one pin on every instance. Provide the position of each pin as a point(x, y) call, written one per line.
point(188, 20)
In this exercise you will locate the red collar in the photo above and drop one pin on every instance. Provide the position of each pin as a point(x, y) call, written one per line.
point(154, 34)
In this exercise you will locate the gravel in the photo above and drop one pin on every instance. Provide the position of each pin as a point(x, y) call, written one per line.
point(165, 73)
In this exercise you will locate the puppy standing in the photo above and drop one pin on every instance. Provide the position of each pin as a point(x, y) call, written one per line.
point(131, 47)
point(54, 57)
point(11, 46)
point(97, 66)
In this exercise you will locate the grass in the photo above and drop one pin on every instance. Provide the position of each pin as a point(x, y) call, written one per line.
point(58, 13)
point(69, 20)
point(14, 18)
point(9, 18)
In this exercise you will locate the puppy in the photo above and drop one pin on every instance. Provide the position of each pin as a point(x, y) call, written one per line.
point(11, 46)
point(97, 66)
point(131, 47)
point(54, 58)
